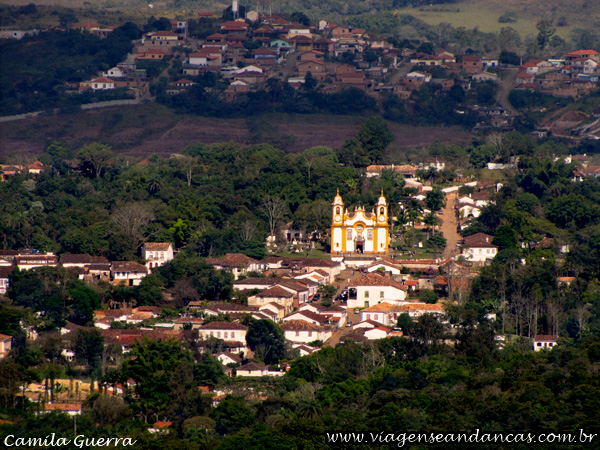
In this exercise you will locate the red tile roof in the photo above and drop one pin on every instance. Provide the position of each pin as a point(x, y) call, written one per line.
point(224, 326)
point(373, 279)
point(158, 246)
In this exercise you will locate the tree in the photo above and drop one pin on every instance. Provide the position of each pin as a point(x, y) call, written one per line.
point(266, 340)
point(66, 19)
point(132, 220)
point(435, 199)
point(274, 208)
point(97, 155)
point(546, 30)
point(310, 83)
point(85, 301)
point(88, 346)
point(155, 367)
point(232, 414)
point(428, 296)
point(374, 136)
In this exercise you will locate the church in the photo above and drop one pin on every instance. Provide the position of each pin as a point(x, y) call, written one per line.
point(360, 231)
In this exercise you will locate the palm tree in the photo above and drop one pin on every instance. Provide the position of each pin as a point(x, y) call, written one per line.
point(414, 211)
point(431, 220)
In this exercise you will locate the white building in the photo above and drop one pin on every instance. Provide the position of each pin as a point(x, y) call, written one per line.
point(157, 253)
point(305, 332)
point(384, 313)
point(228, 331)
point(128, 273)
point(479, 248)
point(373, 288)
point(542, 342)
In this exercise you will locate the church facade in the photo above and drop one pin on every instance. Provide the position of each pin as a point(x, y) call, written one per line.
point(360, 231)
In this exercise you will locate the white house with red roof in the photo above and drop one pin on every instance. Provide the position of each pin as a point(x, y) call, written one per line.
point(304, 332)
point(228, 331)
point(237, 264)
point(372, 288)
point(383, 313)
point(479, 248)
point(377, 333)
point(544, 342)
point(102, 84)
point(157, 253)
point(129, 273)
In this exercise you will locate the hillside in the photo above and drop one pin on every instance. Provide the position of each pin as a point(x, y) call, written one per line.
point(484, 14)
point(150, 128)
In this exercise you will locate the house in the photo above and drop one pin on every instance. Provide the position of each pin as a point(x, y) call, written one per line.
point(151, 54)
point(157, 253)
point(72, 409)
point(251, 370)
point(228, 331)
point(406, 170)
point(274, 295)
point(81, 260)
point(304, 349)
point(373, 288)
point(423, 59)
point(307, 316)
point(305, 332)
point(115, 72)
point(128, 273)
point(377, 333)
point(301, 291)
point(541, 342)
point(415, 310)
point(479, 248)
point(226, 358)
point(421, 76)
point(472, 64)
point(383, 313)
point(4, 278)
point(102, 84)
point(592, 54)
point(274, 310)
point(234, 27)
point(31, 261)
point(236, 263)
point(5, 345)
point(316, 68)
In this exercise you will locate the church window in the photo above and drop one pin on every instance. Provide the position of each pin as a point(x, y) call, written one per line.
point(337, 210)
point(349, 234)
point(370, 235)
point(366, 294)
point(382, 210)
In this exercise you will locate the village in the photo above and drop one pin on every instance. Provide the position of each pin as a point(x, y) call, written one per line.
point(252, 53)
point(361, 292)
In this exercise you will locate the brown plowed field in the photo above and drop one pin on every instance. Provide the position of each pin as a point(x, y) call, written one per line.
point(146, 129)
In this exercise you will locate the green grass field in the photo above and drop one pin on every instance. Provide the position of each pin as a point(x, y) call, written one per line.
point(484, 14)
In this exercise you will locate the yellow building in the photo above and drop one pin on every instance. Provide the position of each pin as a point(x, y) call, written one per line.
point(360, 231)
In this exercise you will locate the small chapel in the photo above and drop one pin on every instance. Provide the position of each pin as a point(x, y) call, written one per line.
point(359, 231)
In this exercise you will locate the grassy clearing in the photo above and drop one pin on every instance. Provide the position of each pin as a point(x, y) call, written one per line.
point(484, 14)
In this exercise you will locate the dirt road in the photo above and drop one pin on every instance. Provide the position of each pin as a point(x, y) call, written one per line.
point(449, 226)
point(506, 85)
